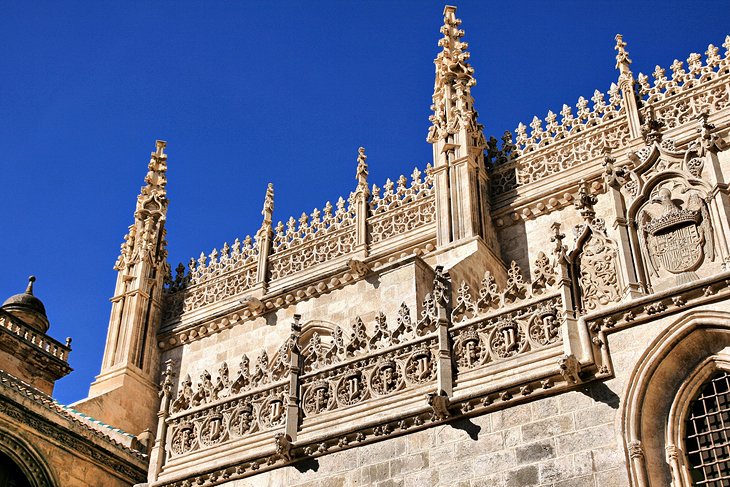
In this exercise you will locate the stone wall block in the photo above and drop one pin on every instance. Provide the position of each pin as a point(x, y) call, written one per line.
point(547, 428)
point(535, 452)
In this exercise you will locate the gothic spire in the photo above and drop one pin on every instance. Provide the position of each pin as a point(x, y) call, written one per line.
point(153, 196)
point(452, 101)
point(147, 235)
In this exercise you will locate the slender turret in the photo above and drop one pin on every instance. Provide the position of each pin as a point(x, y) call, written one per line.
point(129, 371)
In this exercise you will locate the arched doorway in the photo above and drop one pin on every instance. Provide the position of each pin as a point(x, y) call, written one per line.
point(10, 473)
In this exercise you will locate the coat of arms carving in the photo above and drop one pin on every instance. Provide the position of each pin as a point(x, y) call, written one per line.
point(676, 232)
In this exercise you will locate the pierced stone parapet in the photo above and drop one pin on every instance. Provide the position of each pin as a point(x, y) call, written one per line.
point(393, 369)
point(547, 147)
point(397, 211)
point(681, 79)
point(303, 244)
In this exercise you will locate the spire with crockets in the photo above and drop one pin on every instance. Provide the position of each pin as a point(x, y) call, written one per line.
point(459, 172)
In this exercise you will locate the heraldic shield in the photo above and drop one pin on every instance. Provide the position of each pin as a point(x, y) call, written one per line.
point(677, 239)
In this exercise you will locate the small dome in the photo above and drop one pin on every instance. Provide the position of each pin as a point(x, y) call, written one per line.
point(28, 308)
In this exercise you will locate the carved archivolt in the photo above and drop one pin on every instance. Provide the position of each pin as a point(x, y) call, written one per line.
point(29, 462)
point(654, 443)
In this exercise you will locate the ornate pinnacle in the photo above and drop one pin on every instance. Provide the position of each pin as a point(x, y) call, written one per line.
point(362, 169)
point(157, 167)
point(452, 102)
point(622, 55)
point(268, 209)
point(152, 199)
point(147, 233)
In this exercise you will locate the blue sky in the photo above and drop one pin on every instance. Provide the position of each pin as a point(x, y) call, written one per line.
point(246, 93)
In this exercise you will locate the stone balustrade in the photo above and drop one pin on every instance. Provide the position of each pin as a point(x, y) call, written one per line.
point(35, 338)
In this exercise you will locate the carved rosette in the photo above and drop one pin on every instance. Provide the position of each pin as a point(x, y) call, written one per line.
point(318, 398)
point(212, 430)
point(421, 366)
point(507, 339)
point(183, 439)
point(273, 412)
point(241, 420)
point(544, 327)
point(351, 389)
point(469, 350)
point(386, 378)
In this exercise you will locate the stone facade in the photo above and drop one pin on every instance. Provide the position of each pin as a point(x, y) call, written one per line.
point(549, 308)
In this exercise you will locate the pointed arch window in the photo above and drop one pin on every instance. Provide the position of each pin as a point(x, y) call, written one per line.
point(707, 433)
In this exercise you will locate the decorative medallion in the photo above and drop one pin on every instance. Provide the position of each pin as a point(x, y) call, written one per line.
point(211, 430)
point(469, 350)
point(544, 327)
point(421, 366)
point(318, 398)
point(351, 389)
point(386, 378)
point(507, 339)
point(241, 420)
point(273, 412)
point(183, 439)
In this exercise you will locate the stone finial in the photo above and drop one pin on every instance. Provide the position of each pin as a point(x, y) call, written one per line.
point(622, 56)
point(585, 201)
point(156, 177)
point(268, 210)
point(29, 289)
point(557, 238)
point(652, 127)
point(166, 383)
point(362, 169)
